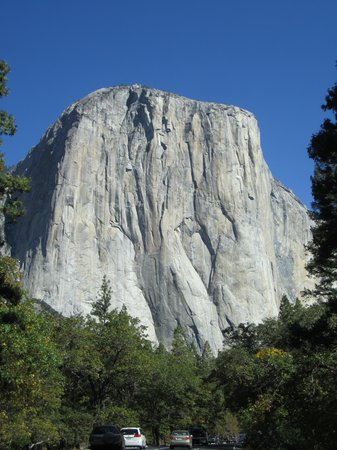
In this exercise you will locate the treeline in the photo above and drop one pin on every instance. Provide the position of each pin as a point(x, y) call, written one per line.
point(280, 378)
point(60, 375)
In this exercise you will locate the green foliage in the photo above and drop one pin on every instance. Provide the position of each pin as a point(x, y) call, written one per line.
point(119, 415)
point(7, 125)
point(209, 410)
point(244, 335)
point(169, 392)
point(323, 150)
point(119, 343)
point(10, 185)
point(74, 342)
point(103, 370)
point(281, 385)
point(103, 365)
point(30, 381)
point(102, 305)
point(10, 277)
point(11, 290)
point(74, 426)
point(4, 69)
point(156, 394)
point(183, 382)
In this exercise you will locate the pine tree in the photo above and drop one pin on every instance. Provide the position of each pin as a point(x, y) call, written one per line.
point(102, 305)
point(31, 383)
point(10, 185)
point(323, 150)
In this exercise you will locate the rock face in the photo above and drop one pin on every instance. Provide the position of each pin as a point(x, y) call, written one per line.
point(172, 200)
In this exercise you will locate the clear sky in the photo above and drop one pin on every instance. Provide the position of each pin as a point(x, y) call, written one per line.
point(275, 58)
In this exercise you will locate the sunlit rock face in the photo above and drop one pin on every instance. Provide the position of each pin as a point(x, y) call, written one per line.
point(172, 200)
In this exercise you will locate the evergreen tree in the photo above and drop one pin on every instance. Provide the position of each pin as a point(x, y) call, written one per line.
point(117, 342)
point(30, 380)
point(79, 359)
point(102, 305)
point(10, 277)
point(169, 392)
point(10, 184)
point(323, 150)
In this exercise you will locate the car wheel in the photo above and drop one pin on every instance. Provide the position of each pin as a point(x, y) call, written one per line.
point(171, 446)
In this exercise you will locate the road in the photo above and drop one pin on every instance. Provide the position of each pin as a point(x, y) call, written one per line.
point(210, 447)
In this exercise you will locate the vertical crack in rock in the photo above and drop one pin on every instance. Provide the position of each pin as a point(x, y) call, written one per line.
point(206, 240)
point(140, 208)
point(231, 220)
point(133, 97)
point(195, 184)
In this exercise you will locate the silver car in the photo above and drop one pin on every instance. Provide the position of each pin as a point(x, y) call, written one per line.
point(180, 438)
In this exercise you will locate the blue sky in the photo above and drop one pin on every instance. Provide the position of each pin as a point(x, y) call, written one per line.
point(275, 58)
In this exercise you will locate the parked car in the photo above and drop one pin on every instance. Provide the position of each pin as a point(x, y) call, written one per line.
point(134, 437)
point(213, 440)
point(199, 436)
point(106, 437)
point(241, 440)
point(180, 438)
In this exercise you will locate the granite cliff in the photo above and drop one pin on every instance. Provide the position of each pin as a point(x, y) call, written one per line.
point(172, 200)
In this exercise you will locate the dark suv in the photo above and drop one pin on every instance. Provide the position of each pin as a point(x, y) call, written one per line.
point(106, 437)
point(199, 436)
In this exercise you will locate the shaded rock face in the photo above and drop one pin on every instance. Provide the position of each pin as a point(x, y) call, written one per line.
point(172, 200)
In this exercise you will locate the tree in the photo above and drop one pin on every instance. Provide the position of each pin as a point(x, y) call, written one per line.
point(10, 185)
point(30, 380)
point(209, 411)
point(323, 150)
point(31, 383)
point(11, 291)
point(168, 393)
point(102, 305)
point(118, 342)
point(74, 342)
point(156, 394)
point(282, 387)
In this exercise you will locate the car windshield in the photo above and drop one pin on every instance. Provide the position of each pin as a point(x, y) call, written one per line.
point(105, 429)
point(180, 433)
point(129, 430)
